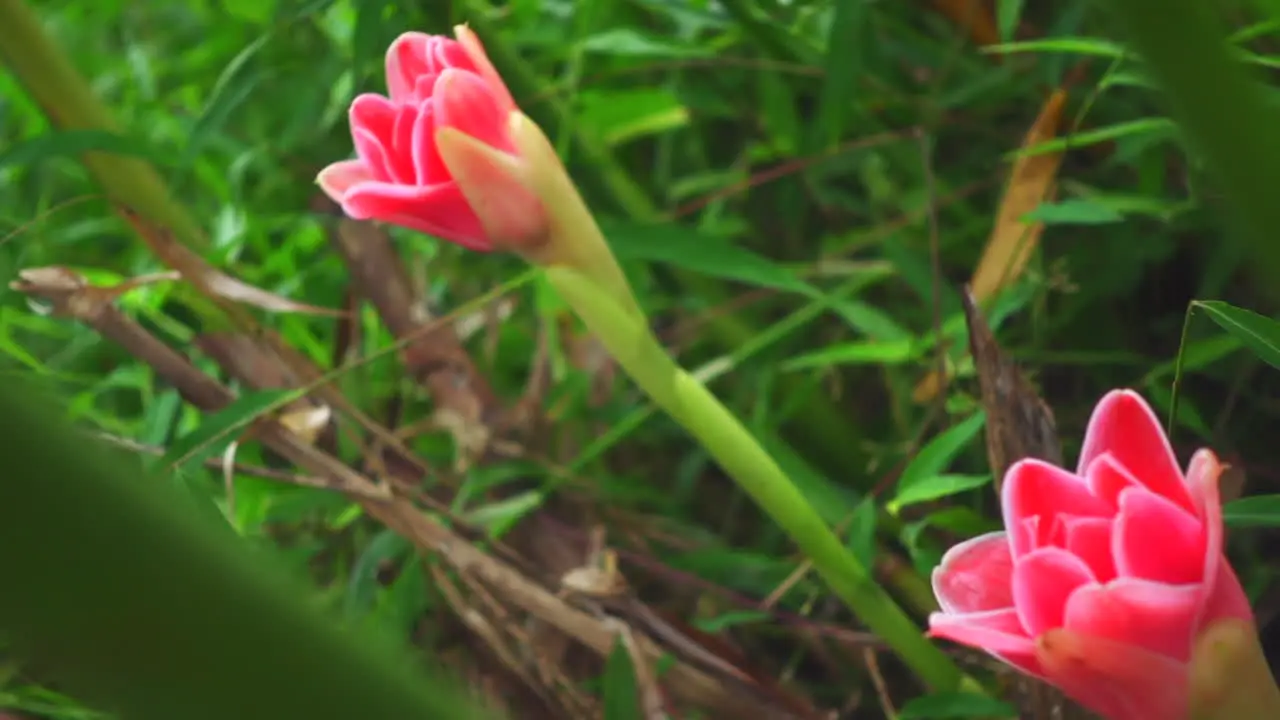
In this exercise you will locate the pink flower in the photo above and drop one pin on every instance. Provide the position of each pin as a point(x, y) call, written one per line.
point(437, 154)
point(1103, 578)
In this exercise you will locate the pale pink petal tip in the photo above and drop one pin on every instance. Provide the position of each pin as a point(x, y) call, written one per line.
point(336, 179)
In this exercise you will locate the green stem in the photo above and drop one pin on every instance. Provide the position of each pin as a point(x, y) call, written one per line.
point(738, 453)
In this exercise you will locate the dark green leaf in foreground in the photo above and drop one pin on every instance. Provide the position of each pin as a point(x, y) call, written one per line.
point(142, 606)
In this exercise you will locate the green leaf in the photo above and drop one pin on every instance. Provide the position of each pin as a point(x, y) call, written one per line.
point(871, 352)
point(217, 430)
point(1074, 212)
point(620, 116)
point(229, 93)
point(1156, 127)
point(1224, 112)
point(362, 585)
point(934, 458)
point(74, 143)
point(1258, 333)
point(254, 11)
point(499, 516)
point(684, 248)
point(846, 46)
point(934, 487)
point(1094, 47)
point(955, 705)
point(627, 42)
point(1008, 14)
point(1256, 511)
point(620, 694)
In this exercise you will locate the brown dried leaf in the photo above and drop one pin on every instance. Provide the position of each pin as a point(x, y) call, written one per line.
point(1031, 182)
point(974, 17)
point(1019, 423)
point(1013, 240)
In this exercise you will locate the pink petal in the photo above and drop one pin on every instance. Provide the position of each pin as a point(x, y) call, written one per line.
point(975, 575)
point(406, 62)
point(374, 114)
point(447, 53)
point(997, 632)
point(466, 102)
point(471, 44)
point(1090, 540)
point(1157, 540)
point(1125, 426)
point(1114, 680)
point(1154, 616)
point(1225, 598)
point(375, 155)
point(438, 210)
point(1034, 488)
point(428, 167)
point(337, 178)
point(401, 148)
point(1043, 580)
point(1106, 478)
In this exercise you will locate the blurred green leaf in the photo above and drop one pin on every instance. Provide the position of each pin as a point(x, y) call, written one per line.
point(847, 44)
point(1095, 47)
point(73, 143)
point(858, 353)
point(631, 42)
point(619, 117)
point(1255, 511)
point(680, 247)
point(1258, 333)
point(1074, 212)
point(386, 546)
point(183, 621)
point(1220, 107)
point(1008, 15)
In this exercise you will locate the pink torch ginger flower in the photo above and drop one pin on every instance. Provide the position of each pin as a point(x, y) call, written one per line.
point(1103, 578)
point(436, 155)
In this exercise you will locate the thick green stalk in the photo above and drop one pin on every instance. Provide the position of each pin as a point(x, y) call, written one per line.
point(720, 432)
point(116, 586)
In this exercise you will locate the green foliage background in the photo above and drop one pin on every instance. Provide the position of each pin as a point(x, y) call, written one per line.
point(797, 191)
